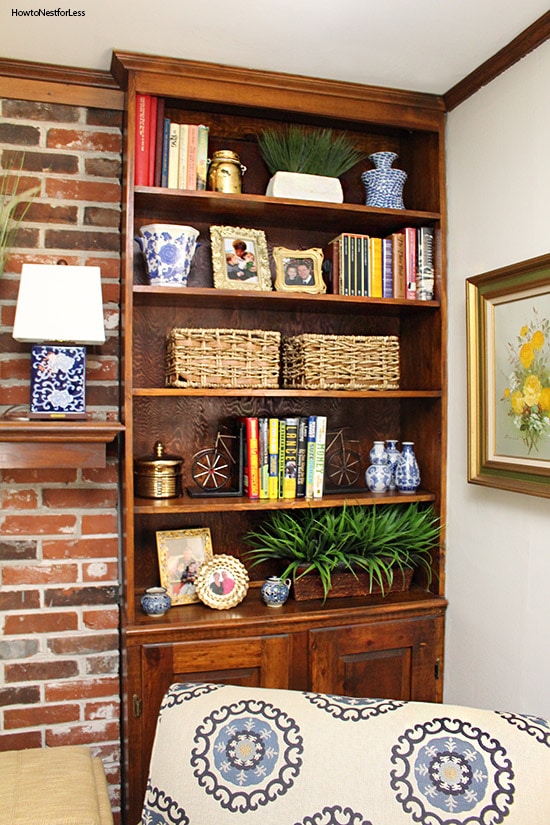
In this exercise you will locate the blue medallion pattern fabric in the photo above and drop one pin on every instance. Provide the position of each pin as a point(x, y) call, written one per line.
point(260, 756)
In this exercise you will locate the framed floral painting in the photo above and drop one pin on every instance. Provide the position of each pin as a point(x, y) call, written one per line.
point(508, 330)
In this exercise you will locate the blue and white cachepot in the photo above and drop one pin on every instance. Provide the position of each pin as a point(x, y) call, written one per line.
point(156, 601)
point(168, 250)
point(275, 591)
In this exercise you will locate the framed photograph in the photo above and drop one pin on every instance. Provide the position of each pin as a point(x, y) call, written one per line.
point(222, 582)
point(182, 553)
point(508, 330)
point(298, 270)
point(239, 258)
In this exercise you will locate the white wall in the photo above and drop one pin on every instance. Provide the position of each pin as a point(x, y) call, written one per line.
point(498, 569)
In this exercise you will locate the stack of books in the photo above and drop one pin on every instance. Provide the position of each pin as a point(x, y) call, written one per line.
point(169, 154)
point(399, 266)
point(284, 457)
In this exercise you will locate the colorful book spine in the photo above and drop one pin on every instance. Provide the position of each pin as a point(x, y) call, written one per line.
point(174, 156)
point(273, 446)
point(192, 149)
point(387, 268)
point(282, 448)
point(425, 263)
point(159, 141)
point(143, 114)
point(310, 454)
point(301, 457)
point(375, 267)
point(410, 262)
point(291, 458)
point(251, 475)
point(165, 153)
point(398, 264)
point(202, 156)
point(319, 462)
point(263, 435)
point(152, 143)
point(184, 142)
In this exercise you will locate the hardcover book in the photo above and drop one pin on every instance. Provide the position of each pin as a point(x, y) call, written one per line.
point(319, 462)
point(291, 458)
point(273, 445)
point(251, 457)
point(425, 263)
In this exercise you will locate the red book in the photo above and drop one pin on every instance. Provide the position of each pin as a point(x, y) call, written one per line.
point(151, 149)
point(143, 111)
point(410, 262)
point(251, 475)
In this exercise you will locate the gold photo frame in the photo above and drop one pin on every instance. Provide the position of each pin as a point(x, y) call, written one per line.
point(508, 331)
point(239, 258)
point(299, 270)
point(222, 582)
point(182, 554)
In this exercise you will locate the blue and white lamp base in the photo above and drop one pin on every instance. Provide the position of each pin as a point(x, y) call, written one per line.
point(58, 381)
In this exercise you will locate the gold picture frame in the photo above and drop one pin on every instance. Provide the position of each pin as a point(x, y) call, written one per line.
point(299, 270)
point(182, 554)
point(239, 258)
point(222, 582)
point(508, 332)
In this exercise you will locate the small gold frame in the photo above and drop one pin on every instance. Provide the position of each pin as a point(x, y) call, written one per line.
point(239, 258)
point(222, 582)
point(182, 554)
point(299, 270)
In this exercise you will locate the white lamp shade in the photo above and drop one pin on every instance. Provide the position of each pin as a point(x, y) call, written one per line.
point(59, 303)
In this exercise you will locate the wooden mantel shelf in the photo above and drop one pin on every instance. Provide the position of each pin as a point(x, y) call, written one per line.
point(38, 444)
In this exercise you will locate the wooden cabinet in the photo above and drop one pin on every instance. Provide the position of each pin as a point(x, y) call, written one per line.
point(370, 646)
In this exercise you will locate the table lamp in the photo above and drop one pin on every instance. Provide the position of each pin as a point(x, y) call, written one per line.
point(58, 304)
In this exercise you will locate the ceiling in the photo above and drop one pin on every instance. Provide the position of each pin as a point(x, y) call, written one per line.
point(421, 45)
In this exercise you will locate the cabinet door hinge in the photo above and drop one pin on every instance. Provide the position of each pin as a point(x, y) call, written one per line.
point(437, 669)
point(137, 705)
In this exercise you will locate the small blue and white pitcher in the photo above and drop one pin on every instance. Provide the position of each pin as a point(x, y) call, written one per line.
point(275, 591)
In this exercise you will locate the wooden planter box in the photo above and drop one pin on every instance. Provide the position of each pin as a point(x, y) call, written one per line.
point(346, 584)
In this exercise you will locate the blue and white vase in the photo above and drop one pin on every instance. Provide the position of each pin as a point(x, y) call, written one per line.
point(383, 184)
point(393, 455)
point(275, 591)
point(378, 473)
point(407, 473)
point(156, 601)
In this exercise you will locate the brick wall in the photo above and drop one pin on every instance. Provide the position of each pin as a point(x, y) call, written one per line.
point(59, 659)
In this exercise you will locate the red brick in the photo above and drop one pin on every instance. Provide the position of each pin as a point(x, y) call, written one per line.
point(40, 671)
point(104, 370)
point(100, 619)
point(15, 395)
point(100, 665)
point(83, 734)
point(56, 112)
point(28, 695)
point(83, 643)
point(110, 267)
point(76, 498)
point(85, 595)
point(99, 216)
point(24, 182)
point(103, 167)
point(38, 525)
point(84, 141)
point(15, 368)
point(104, 117)
point(101, 475)
point(66, 189)
point(19, 600)
point(19, 499)
point(40, 574)
point(50, 475)
point(80, 689)
point(30, 717)
point(111, 295)
point(100, 523)
point(52, 162)
point(101, 710)
point(42, 622)
point(19, 134)
point(100, 571)
point(80, 549)
point(52, 213)
point(18, 550)
point(20, 741)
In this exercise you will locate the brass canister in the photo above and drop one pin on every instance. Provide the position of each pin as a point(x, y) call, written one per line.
point(225, 172)
point(158, 475)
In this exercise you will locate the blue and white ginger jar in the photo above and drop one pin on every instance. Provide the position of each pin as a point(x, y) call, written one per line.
point(383, 184)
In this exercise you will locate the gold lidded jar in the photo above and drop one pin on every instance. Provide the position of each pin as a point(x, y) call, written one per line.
point(158, 475)
point(225, 172)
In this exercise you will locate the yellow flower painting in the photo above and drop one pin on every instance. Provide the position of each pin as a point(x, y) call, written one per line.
point(527, 395)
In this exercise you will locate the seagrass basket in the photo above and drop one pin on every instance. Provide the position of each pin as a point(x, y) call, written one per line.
point(232, 358)
point(341, 362)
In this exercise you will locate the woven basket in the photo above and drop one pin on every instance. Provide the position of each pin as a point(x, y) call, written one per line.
point(347, 585)
point(341, 362)
point(232, 358)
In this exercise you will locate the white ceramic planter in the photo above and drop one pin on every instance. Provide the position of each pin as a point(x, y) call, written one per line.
point(305, 187)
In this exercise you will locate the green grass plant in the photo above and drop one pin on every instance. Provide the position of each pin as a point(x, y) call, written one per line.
point(310, 151)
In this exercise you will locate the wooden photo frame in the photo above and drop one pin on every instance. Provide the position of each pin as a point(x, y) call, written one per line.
point(182, 554)
point(508, 331)
point(299, 270)
point(222, 582)
point(239, 258)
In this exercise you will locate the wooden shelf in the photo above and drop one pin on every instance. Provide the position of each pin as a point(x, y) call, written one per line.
point(153, 392)
point(39, 444)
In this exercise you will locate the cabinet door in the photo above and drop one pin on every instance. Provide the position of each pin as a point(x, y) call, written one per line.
point(255, 661)
point(384, 660)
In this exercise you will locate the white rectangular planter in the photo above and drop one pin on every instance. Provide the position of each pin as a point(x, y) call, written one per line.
point(305, 187)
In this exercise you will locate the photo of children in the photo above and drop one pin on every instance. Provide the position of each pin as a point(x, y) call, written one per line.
point(181, 554)
point(240, 258)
